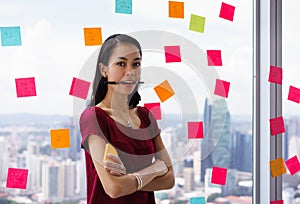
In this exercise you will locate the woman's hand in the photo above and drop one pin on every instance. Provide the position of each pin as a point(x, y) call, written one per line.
point(160, 167)
point(115, 166)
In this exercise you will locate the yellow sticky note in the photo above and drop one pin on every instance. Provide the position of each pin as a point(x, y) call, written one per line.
point(60, 138)
point(164, 91)
point(277, 167)
point(176, 9)
point(92, 36)
point(109, 149)
point(197, 23)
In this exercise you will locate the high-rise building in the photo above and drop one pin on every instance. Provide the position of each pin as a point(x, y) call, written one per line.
point(68, 180)
point(197, 165)
point(216, 145)
point(75, 146)
point(189, 182)
point(51, 181)
point(4, 158)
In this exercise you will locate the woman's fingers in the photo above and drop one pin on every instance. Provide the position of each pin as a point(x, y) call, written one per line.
point(116, 168)
point(114, 158)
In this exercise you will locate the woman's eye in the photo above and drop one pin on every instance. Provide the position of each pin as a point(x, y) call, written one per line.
point(120, 63)
point(137, 64)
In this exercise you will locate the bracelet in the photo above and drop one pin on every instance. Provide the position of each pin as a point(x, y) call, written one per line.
point(139, 180)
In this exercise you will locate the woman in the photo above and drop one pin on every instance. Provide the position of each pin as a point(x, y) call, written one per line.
point(142, 165)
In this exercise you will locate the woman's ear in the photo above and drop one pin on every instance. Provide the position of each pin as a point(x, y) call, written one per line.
point(103, 69)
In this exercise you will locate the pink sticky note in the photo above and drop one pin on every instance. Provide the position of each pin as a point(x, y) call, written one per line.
point(17, 178)
point(195, 130)
point(79, 88)
point(172, 54)
point(276, 202)
point(227, 11)
point(155, 109)
point(222, 88)
point(219, 175)
point(25, 87)
point(294, 94)
point(277, 126)
point(275, 75)
point(293, 165)
point(214, 57)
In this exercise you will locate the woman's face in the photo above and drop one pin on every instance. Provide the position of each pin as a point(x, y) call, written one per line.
point(124, 65)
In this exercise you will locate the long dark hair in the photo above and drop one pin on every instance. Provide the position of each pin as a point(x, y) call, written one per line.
point(99, 85)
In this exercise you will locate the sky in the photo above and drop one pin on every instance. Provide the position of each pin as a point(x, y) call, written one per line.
point(53, 49)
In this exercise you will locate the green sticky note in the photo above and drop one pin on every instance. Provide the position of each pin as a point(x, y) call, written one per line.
point(197, 23)
point(197, 200)
point(123, 6)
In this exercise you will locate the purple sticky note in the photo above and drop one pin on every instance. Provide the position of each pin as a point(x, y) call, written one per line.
point(25, 87)
point(155, 109)
point(195, 130)
point(219, 175)
point(214, 57)
point(79, 88)
point(276, 202)
point(294, 94)
point(293, 165)
point(172, 54)
point(277, 126)
point(222, 88)
point(17, 178)
point(275, 75)
point(227, 11)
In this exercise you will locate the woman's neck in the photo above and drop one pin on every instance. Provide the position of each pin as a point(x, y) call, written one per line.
point(116, 102)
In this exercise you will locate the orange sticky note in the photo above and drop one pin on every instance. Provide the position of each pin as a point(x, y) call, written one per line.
point(164, 91)
point(109, 149)
point(60, 138)
point(92, 36)
point(277, 167)
point(176, 9)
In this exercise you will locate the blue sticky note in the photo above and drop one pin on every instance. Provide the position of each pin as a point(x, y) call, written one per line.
point(197, 200)
point(11, 36)
point(124, 6)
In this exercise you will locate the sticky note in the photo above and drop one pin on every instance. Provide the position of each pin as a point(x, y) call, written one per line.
point(60, 138)
point(275, 75)
point(227, 11)
point(172, 54)
point(25, 87)
point(155, 109)
point(293, 165)
point(195, 130)
point(219, 175)
point(294, 94)
point(79, 88)
point(197, 200)
point(123, 6)
point(214, 57)
point(276, 202)
point(11, 36)
point(222, 88)
point(197, 23)
point(277, 126)
point(176, 9)
point(92, 36)
point(109, 149)
point(277, 167)
point(164, 91)
point(17, 178)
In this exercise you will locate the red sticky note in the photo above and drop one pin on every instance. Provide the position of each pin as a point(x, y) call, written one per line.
point(155, 109)
point(172, 54)
point(293, 165)
point(17, 178)
point(222, 88)
point(219, 175)
point(275, 75)
point(277, 126)
point(25, 87)
point(277, 167)
point(214, 57)
point(294, 94)
point(195, 130)
point(227, 11)
point(79, 88)
point(276, 202)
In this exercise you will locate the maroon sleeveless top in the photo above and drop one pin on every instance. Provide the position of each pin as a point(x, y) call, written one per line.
point(135, 148)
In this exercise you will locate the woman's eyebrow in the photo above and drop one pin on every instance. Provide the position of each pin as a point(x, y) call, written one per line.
point(124, 58)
